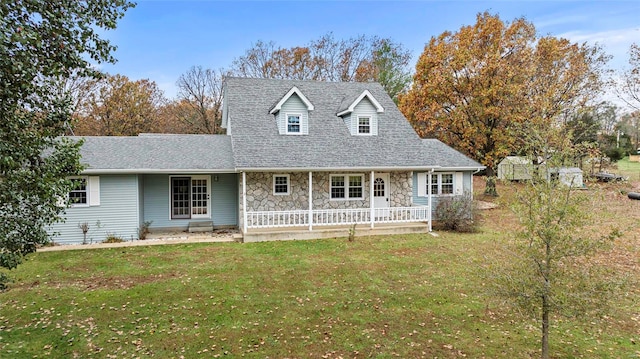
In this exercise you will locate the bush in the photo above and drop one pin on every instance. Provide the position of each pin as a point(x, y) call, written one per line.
point(144, 230)
point(112, 238)
point(456, 213)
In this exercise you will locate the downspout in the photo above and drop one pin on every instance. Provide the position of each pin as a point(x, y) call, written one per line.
point(430, 195)
point(371, 203)
point(310, 201)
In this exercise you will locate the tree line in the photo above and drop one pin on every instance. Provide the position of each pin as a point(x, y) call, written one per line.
point(114, 105)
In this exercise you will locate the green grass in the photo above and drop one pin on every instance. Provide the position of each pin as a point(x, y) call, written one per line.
point(628, 168)
point(397, 296)
point(407, 296)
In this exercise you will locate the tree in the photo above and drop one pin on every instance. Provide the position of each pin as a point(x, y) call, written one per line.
point(200, 91)
point(554, 271)
point(360, 58)
point(476, 88)
point(118, 106)
point(630, 85)
point(41, 41)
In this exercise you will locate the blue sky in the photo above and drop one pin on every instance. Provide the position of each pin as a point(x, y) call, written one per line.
point(161, 39)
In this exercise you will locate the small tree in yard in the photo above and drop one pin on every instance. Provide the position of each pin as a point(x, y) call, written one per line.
point(553, 272)
point(42, 42)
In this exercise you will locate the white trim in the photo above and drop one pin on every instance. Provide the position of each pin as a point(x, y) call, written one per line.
point(371, 199)
point(458, 183)
point(346, 186)
point(86, 190)
point(93, 189)
point(288, 185)
point(244, 202)
point(358, 133)
point(366, 93)
point(191, 215)
point(430, 201)
point(425, 179)
point(99, 171)
point(284, 99)
point(310, 200)
point(286, 123)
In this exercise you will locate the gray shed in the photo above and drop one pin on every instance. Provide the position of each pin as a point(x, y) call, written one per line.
point(515, 168)
point(569, 176)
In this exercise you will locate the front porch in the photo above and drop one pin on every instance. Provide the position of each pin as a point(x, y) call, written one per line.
point(311, 218)
point(325, 204)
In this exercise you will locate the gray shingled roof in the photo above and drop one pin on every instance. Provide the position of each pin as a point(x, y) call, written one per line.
point(438, 153)
point(258, 145)
point(153, 153)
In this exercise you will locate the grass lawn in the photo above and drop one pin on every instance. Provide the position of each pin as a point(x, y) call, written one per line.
point(406, 296)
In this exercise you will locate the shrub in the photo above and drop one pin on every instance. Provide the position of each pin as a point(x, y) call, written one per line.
point(456, 213)
point(144, 230)
point(113, 238)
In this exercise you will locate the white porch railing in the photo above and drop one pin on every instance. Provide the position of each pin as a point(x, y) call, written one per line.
point(332, 217)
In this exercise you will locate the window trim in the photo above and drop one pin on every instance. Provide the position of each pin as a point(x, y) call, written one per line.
point(346, 186)
point(86, 190)
point(439, 183)
point(286, 123)
point(369, 125)
point(288, 184)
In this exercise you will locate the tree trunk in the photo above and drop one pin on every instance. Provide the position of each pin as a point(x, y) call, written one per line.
point(545, 327)
point(490, 188)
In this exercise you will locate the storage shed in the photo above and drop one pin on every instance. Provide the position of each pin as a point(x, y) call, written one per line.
point(569, 176)
point(515, 168)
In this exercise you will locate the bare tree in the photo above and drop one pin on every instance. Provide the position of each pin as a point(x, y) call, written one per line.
point(630, 85)
point(200, 90)
point(359, 58)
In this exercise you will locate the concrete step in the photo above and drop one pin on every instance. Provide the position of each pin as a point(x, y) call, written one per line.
point(200, 226)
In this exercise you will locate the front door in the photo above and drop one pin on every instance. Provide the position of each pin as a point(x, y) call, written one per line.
point(381, 194)
point(190, 197)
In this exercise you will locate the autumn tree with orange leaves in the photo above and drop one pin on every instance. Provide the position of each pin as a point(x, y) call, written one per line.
point(117, 106)
point(475, 89)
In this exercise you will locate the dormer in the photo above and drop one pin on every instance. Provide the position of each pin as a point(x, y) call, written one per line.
point(361, 115)
point(292, 113)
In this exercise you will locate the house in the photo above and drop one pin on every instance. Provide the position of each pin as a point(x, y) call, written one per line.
point(300, 159)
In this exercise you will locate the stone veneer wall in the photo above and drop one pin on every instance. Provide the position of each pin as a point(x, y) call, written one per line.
point(260, 195)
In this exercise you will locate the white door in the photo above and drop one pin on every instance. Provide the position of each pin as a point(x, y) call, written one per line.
point(190, 197)
point(200, 197)
point(381, 194)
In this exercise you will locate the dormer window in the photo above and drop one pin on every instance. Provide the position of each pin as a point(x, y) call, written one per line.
point(364, 125)
point(361, 114)
point(293, 123)
point(292, 113)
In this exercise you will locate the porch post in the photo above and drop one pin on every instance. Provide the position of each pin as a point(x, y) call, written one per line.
point(244, 202)
point(310, 201)
point(429, 195)
point(371, 203)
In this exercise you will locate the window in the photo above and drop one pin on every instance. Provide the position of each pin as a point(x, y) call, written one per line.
point(79, 195)
point(364, 125)
point(281, 184)
point(442, 183)
point(347, 186)
point(293, 123)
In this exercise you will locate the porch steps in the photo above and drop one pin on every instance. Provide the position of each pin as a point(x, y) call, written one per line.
point(206, 226)
point(301, 233)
